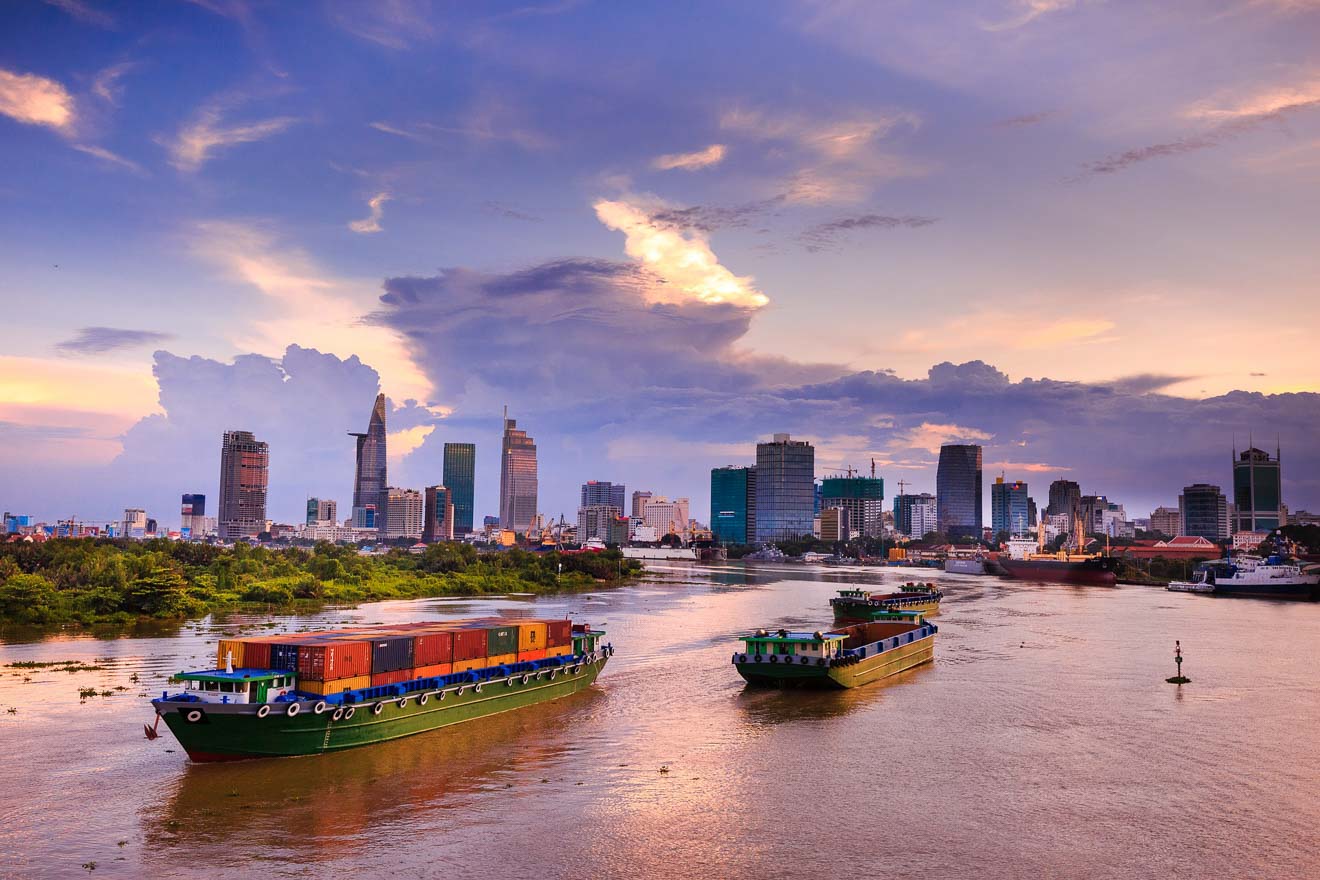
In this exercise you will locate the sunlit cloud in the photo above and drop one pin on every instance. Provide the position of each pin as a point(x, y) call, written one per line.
point(1026, 11)
point(196, 142)
point(36, 100)
point(371, 223)
point(110, 157)
point(1263, 103)
point(682, 260)
point(393, 24)
point(402, 443)
point(107, 86)
point(307, 304)
point(694, 161)
point(931, 436)
point(85, 13)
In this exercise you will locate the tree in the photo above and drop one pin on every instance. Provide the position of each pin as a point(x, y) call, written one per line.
point(28, 598)
point(161, 592)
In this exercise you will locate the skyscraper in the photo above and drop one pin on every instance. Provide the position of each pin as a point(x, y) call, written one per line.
point(1065, 498)
point(517, 478)
point(603, 492)
point(1010, 509)
point(404, 514)
point(958, 490)
point(906, 520)
point(370, 484)
point(733, 504)
point(192, 515)
point(1204, 512)
point(321, 510)
point(460, 476)
point(864, 498)
point(785, 488)
point(1257, 491)
point(244, 471)
point(438, 522)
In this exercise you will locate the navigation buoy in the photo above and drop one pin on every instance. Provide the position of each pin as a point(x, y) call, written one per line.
point(1178, 658)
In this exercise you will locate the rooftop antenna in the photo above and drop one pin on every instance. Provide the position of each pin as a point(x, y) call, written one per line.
point(873, 467)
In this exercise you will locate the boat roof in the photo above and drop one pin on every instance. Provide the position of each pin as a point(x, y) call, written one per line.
point(236, 675)
point(773, 635)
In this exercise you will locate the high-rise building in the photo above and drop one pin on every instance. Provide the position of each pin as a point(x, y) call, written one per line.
point(368, 518)
point(958, 490)
point(321, 510)
point(834, 524)
point(863, 497)
point(665, 516)
point(639, 499)
point(192, 515)
point(1167, 521)
point(1257, 491)
point(1065, 498)
point(244, 472)
point(1010, 510)
point(134, 524)
point(732, 504)
point(1204, 512)
point(405, 514)
point(785, 488)
point(370, 483)
point(910, 521)
point(460, 476)
point(439, 518)
point(517, 478)
point(596, 521)
point(596, 492)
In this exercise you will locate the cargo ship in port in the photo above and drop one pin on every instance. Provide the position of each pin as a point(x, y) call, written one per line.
point(1027, 560)
point(860, 606)
point(315, 692)
point(1276, 576)
point(841, 658)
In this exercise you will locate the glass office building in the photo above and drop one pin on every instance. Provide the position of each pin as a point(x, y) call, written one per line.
point(733, 504)
point(370, 481)
point(1257, 491)
point(785, 489)
point(460, 476)
point(958, 490)
point(1010, 507)
point(517, 478)
point(1204, 512)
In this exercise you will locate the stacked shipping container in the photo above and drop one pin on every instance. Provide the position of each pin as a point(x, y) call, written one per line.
point(332, 661)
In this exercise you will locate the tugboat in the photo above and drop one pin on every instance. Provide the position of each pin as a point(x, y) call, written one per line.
point(1276, 576)
point(841, 658)
point(859, 606)
point(308, 693)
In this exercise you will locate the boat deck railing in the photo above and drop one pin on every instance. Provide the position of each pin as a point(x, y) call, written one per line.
point(889, 644)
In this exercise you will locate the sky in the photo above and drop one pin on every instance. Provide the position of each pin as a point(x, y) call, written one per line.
point(1081, 233)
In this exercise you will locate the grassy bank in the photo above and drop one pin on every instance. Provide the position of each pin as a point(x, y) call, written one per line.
point(88, 581)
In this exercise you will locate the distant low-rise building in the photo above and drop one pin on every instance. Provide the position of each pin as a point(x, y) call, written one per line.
point(1166, 521)
point(405, 514)
point(834, 524)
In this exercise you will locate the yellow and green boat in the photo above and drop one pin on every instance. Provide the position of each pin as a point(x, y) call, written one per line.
point(860, 606)
point(841, 658)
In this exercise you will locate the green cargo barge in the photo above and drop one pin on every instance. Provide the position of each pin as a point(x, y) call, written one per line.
point(841, 658)
point(282, 721)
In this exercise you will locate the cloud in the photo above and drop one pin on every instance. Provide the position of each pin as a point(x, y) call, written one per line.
point(695, 161)
point(85, 13)
point(102, 340)
point(107, 156)
point(708, 218)
point(824, 236)
point(1025, 120)
point(502, 210)
point(371, 223)
point(393, 24)
point(930, 437)
point(106, 85)
point(36, 100)
point(683, 262)
point(1027, 11)
point(208, 132)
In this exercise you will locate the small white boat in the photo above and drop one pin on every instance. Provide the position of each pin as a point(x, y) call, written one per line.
point(1190, 587)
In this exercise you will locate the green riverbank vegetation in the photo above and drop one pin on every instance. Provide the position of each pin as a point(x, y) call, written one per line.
point(91, 581)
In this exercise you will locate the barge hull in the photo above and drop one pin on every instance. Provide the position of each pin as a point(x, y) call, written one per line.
point(866, 671)
point(1060, 572)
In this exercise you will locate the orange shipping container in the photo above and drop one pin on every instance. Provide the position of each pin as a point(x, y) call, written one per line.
point(531, 636)
point(559, 651)
point(329, 660)
point(532, 655)
point(501, 659)
point(433, 671)
point(474, 663)
point(229, 646)
point(256, 654)
point(339, 685)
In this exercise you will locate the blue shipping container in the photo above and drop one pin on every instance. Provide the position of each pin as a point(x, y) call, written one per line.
point(284, 657)
point(391, 654)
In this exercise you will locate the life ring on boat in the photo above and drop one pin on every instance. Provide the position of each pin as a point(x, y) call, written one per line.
point(377, 709)
point(319, 707)
point(820, 661)
point(774, 658)
point(350, 712)
point(476, 688)
point(460, 690)
point(403, 702)
point(421, 701)
point(757, 658)
point(337, 714)
point(742, 658)
point(805, 660)
point(576, 669)
point(526, 678)
point(263, 711)
point(508, 682)
point(553, 673)
point(293, 709)
point(192, 716)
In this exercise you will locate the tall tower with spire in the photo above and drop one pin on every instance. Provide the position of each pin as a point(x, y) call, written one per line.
point(370, 483)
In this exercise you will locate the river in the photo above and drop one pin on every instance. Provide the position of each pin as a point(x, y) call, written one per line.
point(1042, 742)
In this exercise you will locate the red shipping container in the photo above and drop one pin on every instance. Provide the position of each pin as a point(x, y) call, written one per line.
point(538, 654)
point(433, 648)
point(469, 644)
point(394, 677)
point(256, 654)
point(558, 633)
point(329, 660)
point(435, 670)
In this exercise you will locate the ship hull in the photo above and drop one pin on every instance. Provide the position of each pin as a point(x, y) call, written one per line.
point(868, 670)
point(236, 733)
point(862, 611)
point(1098, 572)
point(1294, 591)
point(964, 566)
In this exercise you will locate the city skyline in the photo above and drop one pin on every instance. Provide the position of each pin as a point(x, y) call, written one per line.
point(868, 248)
